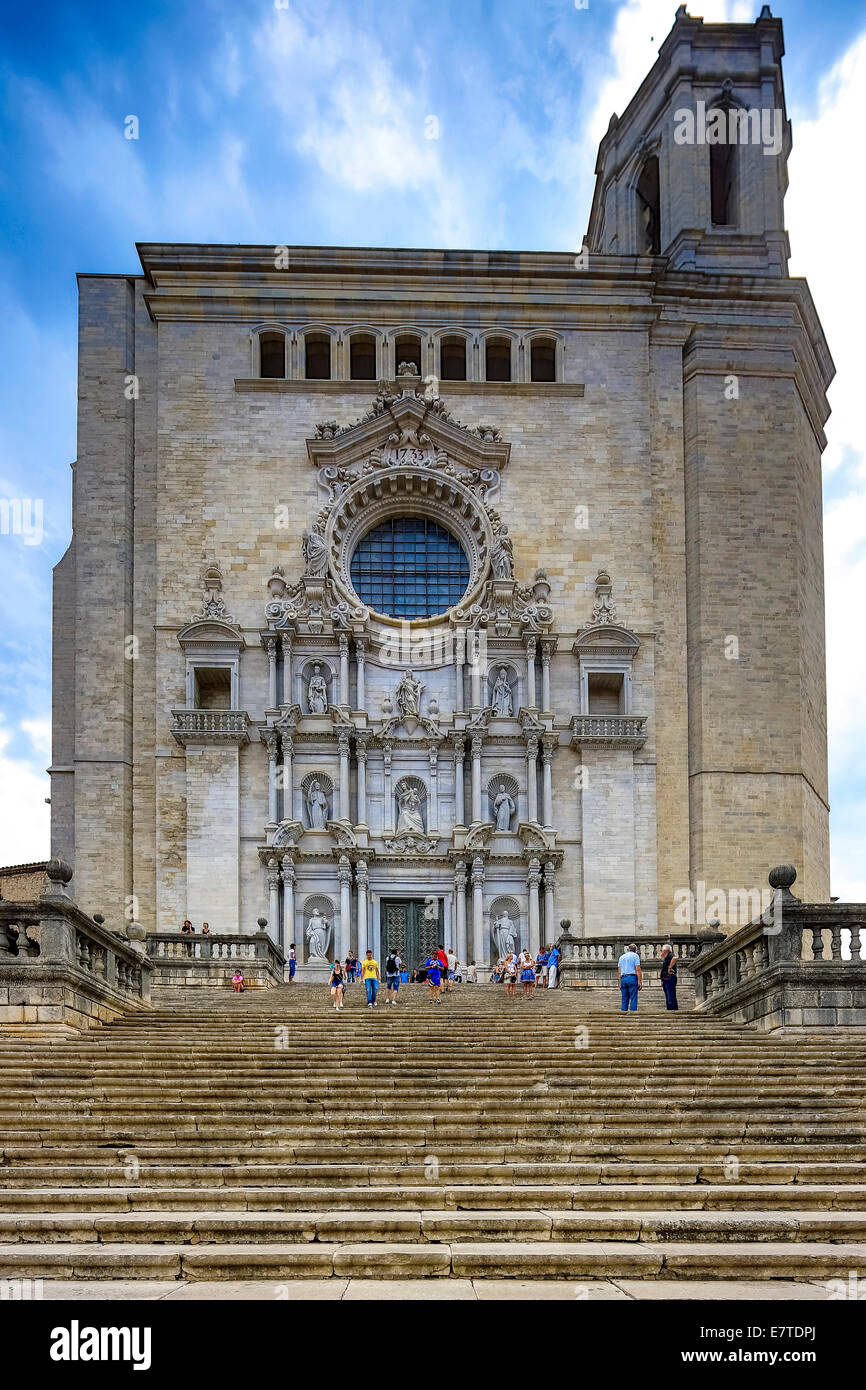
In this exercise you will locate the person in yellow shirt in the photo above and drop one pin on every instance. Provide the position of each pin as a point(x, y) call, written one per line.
point(370, 976)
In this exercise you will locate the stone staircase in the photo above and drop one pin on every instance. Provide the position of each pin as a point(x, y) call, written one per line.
point(264, 1136)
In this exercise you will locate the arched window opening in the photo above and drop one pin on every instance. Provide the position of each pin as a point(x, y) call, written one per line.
point(543, 360)
point(362, 358)
point(649, 219)
point(318, 357)
point(452, 362)
point(407, 349)
point(722, 184)
point(272, 355)
point(498, 359)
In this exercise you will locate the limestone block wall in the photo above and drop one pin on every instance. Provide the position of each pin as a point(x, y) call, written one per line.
point(212, 830)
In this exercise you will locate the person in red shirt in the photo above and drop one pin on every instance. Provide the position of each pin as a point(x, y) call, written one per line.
point(443, 966)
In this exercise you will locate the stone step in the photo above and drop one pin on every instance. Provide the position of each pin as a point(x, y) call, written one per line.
point(381, 1225)
point(459, 1259)
point(633, 1197)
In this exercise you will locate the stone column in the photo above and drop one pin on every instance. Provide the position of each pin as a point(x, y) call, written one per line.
point(389, 798)
point(343, 742)
point(546, 653)
point(477, 740)
point(361, 756)
point(273, 900)
point(547, 747)
point(433, 800)
point(344, 669)
point(532, 778)
point(271, 742)
point(361, 885)
point(287, 668)
point(459, 790)
point(549, 890)
point(287, 934)
point(360, 662)
point(272, 673)
point(460, 904)
point(475, 672)
point(533, 879)
point(530, 673)
point(478, 911)
point(287, 775)
point(344, 875)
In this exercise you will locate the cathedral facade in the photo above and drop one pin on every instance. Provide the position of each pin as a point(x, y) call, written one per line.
point(422, 596)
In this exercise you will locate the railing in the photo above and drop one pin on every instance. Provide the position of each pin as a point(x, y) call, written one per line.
point(798, 965)
point(594, 959)
point(51, 943)
point(612, 730)
point(181, 958)
point(211, 726)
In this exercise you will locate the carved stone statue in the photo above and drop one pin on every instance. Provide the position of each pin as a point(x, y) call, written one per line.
point(315, 555)
point(317, 692)
point(409, 696)
point(317, 806)
point(317, 936)
point(410, 820)
point(504, 934)
point(503, 701)
point(503, 808)
point(503, 556)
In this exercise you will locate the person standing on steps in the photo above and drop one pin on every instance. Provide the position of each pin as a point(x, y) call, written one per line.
point(370, 976)
point(393, 966)
point(337, 984)
point(553, 966)
point(527, 973)
point(630, 978)
point(434, 978)
point(293, 963)
point(669, 976)
point(510, 969)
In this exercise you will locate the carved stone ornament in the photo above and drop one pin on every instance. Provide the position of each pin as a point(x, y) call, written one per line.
point(603, 610)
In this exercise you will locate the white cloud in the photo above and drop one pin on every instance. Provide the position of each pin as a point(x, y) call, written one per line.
point(24, 816)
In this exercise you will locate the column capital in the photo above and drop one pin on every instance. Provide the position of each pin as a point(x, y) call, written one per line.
point(288, 869)
point(477, 743)
point(286, 639)
point(533, 873)
point(270, 739)
point(460, 874)
point(344, 872)
point(532, 746)
point(531, 647)
point(477, 870)
point(361, 875)
point(343, 743)
point(344, 644)
point(549, 744)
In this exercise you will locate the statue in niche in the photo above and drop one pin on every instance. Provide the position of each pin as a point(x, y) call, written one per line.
point(315, 555)
point(409, 696)
point(503, 556)
point(410, 820)
point(504, 934)
point(317, 692)
point(317, 807)
point(503, 809)
point(503, 700)
point(317, 936)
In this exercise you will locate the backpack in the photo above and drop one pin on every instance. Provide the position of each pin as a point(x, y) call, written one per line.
point(391, 964)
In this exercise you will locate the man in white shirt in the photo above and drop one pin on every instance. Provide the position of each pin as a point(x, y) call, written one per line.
point(630, 978)
point(452, 968)
point(472, 975)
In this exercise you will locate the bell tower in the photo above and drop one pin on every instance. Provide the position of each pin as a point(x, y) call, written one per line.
point(696, 167)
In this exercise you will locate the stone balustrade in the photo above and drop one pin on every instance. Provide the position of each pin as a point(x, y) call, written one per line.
point(799, 965)
point(180, 959)
point(593, 960)
point(609, 730)
point(62, 970)
point(211, 726)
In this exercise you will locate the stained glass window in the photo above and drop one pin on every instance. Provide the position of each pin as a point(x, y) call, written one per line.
point(410, 567)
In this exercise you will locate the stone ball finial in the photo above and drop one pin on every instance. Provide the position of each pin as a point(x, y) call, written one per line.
point(565, 923)
point(782, 876)
point(98, 918)
point(262, 923)
point(136, 932)
point(58, 870)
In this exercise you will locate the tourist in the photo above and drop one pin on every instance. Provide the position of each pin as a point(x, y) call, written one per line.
point(393, 966)
point(442, 958)
point(352, 967)
point(510, 972)
point(337, 984)
point(553, 959)
point(188, 929)
point(630, 978)
point(472, 974)
point(370, 976)
point(434, 978)
point(293, 963)
point(527, 973)
point(238, 981)
point(669, 976)
point(541, 968)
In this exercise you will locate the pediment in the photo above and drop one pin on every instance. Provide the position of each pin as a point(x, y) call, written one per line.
point(605, 637)
point(405, 429)
point(211, 632)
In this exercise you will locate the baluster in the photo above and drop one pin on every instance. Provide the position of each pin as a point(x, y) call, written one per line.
point(817, 944)
point(835, 942)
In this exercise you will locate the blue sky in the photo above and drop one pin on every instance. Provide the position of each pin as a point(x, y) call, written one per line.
point(305, 123)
